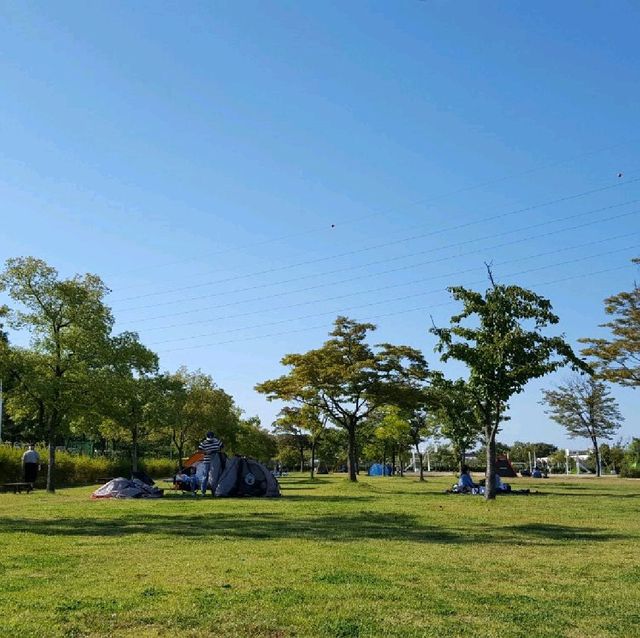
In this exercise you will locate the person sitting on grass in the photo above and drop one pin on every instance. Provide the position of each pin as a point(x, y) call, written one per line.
point(465, 482)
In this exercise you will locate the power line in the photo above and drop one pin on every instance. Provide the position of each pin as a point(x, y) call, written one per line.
point(389, 243)
point(386, 211)
point(380, 261)
point(403, 298)
point(368, 275)
point(395, 313)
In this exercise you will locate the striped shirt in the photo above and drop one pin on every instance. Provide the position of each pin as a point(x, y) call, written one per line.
point(209, 447)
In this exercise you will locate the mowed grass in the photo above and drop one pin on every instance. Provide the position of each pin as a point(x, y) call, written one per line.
point(385, 557)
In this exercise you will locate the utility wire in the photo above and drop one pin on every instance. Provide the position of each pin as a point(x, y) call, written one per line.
point(405, 297)
point(369, 275)
point(395, 313)
point(389, 243)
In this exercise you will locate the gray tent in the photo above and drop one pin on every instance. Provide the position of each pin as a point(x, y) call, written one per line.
point(243, 476)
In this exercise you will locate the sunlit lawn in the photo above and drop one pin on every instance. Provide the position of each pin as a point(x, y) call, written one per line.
point(385, 557)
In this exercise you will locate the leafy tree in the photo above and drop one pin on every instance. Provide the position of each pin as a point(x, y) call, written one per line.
point(504, 348)
point(420, 428)
point(585, 408)
point(631, 463)
point(194, 404)
point(254, 441)
point(69, 324)
point(290, 434)
point(617, 359)
point(522, 452)
point(455, 415)
point(612, 456)
point(346, 379)
point(129, 392)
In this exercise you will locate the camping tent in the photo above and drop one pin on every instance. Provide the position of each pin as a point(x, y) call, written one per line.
point(504, 469)
point(243, 476)
point(127, 488)
point(377, 470)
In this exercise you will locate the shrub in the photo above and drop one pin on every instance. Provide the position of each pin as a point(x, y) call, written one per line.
point(78, 469)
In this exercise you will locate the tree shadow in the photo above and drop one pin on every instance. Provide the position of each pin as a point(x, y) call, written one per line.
point(346, 527)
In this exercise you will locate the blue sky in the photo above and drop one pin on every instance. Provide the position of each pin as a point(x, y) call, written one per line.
point(241, 173)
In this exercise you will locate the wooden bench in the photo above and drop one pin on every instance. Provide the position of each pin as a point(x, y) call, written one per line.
point(16, 487)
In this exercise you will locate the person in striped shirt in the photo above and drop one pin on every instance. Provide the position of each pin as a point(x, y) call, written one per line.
point(211, 447)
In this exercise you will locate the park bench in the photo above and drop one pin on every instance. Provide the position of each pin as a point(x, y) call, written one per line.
point(16, 487)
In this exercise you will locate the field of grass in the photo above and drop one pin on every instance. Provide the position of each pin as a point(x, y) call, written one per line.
point(385, 557)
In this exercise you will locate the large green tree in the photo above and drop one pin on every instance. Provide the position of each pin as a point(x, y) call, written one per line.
point(129, 393)
point(347, 379)
point(617, 358)
point(499, 337)
point(585, 408)
point(455, 415)
point(69, 325)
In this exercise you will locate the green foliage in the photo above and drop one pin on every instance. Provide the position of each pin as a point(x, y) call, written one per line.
point(346, 379)
point(585, 409)
point(75, 469)
point(617, 359)
point(631, 463)
point(504, 348)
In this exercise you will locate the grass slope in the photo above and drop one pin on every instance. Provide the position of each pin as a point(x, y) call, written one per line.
point(386, 557)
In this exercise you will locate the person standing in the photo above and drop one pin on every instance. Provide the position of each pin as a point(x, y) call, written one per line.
point(211, 447)
point(30, 465)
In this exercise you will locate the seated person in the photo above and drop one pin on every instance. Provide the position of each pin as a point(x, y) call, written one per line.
point(536, 473)
point(465, 482)
point(500, 486)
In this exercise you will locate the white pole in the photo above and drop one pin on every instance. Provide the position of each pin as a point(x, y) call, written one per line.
point(566, 459)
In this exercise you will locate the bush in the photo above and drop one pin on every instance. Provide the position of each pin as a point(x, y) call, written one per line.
point(78, 469)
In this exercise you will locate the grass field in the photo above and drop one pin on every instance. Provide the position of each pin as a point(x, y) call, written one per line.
point(385, 557)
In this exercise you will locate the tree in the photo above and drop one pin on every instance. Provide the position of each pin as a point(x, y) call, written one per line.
point(194, 405)
point(129, 392)
point(69, 324)
point(346, 379)
point(503, 348)
point(254, 441)
point(419, 429)
point(585, 408)
point(290, 433)
point(612, 456)
point(455, 415)
point(617, 359)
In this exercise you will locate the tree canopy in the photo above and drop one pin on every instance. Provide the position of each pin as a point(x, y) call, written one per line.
point(504, 348)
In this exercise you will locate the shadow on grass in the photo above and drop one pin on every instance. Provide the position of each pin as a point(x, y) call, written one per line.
point(273, 526)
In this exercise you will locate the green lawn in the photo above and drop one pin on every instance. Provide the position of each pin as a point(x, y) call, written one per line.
point(385, 557)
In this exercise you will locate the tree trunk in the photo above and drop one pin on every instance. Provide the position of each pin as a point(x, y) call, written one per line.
point(596, 449)
point(301, 459)
point(353, 476)
point(134, 449)
point(393, 459)
point(384, 460)
point(52, 457)
point(52, 463)
point(421, 460)
point(313, 459)
point(401, 459)
point(490, 475)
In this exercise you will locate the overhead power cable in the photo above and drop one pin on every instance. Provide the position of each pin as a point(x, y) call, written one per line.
point(380, 316)
point(385, 211)
point(405, 297)
point(370, 275)
point(388, 243)
point(383, 261)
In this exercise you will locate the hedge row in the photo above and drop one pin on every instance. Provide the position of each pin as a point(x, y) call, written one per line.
point(74, 469)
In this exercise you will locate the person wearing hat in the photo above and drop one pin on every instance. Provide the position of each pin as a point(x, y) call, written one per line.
point(30, 465)
point(211, 447)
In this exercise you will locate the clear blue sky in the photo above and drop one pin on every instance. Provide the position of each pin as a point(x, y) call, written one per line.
point(240, 173)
